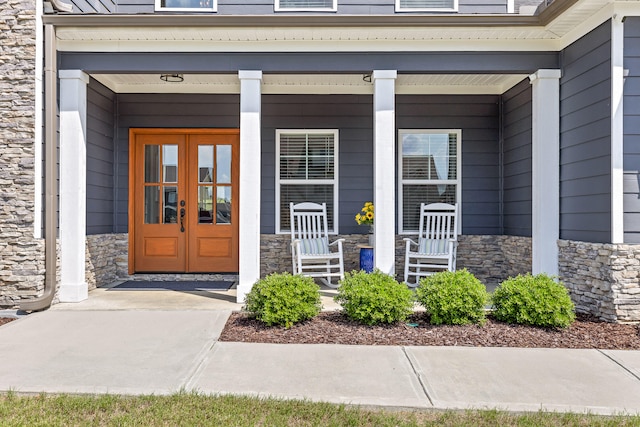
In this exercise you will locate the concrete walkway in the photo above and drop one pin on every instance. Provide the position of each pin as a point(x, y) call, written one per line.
point(144, 351)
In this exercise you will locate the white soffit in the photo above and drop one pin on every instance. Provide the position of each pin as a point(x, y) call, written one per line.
point(312, 83)
point(373, 39)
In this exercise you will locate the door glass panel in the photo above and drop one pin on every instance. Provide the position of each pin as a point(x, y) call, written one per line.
point(170, 163)
point(205, 204)
point(223, 205)
point(151, 163)
point(151, 205)
point(170, 205)
point(205, 163)
point(223, 163)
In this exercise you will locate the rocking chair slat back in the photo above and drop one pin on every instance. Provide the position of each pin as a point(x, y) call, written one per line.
point(437, 221)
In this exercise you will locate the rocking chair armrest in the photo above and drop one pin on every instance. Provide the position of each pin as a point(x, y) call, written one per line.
point(410, 241)
point(340, 241)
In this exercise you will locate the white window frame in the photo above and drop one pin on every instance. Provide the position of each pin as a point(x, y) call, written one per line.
point(457, 182)
point(333, 181)
point(159, 8)
point(334, 8)
point(427, 9)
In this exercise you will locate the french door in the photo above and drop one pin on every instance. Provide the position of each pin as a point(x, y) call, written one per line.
point(183, 204)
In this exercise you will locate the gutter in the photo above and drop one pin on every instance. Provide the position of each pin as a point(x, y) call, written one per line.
point(51, 174)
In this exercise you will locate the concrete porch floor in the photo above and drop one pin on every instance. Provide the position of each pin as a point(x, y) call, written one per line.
point(110, 298)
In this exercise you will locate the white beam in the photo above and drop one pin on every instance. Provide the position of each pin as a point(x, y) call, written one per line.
point(250, 149)
point(617, 133)
point(384, 196)
point(73, 185)
point(546, 171)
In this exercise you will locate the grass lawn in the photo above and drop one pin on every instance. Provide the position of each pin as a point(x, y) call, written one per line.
point(196, 410)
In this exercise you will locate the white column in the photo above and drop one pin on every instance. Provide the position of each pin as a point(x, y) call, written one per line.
point(546, 171)
point(617, 134)
point(384, 195)
point(73, 184)
point(250, 150)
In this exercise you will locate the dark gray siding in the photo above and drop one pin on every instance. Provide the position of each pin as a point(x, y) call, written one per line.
point(516, 107)
point(477, 116)
point(352, 115)
point(266, 7)
point(585, 138)
point(164, 111)
point(100, 158)
point(632, 130)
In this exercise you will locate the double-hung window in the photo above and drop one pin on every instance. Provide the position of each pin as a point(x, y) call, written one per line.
point(429, 172)
point(187, 5)
point(306, 5)
point(306, 171)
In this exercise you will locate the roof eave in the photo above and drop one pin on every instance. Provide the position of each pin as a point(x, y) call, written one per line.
point(283, 21)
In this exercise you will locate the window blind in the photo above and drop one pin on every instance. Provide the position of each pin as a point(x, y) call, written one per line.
point(306, 4)
point(426, 4)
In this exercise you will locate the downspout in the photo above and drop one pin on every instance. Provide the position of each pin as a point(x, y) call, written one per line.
point(51, 176)
point(501, 163)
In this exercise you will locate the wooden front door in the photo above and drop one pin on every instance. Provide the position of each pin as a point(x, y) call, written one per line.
point(183, 204)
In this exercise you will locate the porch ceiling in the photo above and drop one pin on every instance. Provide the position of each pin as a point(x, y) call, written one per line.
point(313, 83)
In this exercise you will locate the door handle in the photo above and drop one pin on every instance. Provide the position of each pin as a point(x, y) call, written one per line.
point(182, 213)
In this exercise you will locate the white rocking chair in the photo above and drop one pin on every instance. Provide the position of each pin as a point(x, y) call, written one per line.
point(310, 247)
point(437, 243)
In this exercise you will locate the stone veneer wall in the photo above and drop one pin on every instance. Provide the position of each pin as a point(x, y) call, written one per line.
point(491, 258)
point(603, 279)
point(106, 258)
point(21, 255)
point(107, 261)
point(275, 252)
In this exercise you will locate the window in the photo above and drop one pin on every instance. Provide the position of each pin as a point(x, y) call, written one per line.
point(429, 172)
point(426, 5)
point(187, 5)
point(306, 171)
point(306, 5)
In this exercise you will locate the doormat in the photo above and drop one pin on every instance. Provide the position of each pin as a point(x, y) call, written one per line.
point(183, 286)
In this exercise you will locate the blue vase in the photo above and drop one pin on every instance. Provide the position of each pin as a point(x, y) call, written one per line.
point(366, 259)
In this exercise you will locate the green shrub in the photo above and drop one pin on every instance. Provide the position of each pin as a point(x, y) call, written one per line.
point(533, 300)
point(453, 298)
point(283, 299)
point(373, 298)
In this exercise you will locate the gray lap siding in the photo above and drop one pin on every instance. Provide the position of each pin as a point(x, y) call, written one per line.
point(352, 115)
point(266, 7)
point(632, 130)
point(585, 138)
point(517, 166)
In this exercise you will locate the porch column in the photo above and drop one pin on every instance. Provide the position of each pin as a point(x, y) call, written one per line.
point(546, 170)
point(384, 170)
point(250, 148)
point(73, 185)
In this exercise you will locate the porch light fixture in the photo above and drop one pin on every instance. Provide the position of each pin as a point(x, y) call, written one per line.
point(172, 78)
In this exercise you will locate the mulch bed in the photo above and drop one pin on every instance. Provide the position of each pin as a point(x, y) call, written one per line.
point(4, 320)
point(336, 328)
